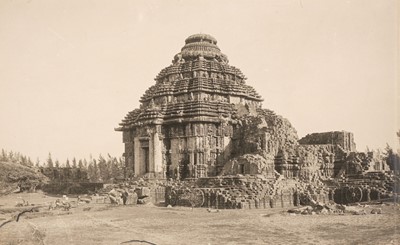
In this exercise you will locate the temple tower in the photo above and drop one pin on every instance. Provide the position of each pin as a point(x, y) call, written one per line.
point(184, 126)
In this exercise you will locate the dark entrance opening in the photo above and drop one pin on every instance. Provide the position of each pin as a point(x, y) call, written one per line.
point(146, 159)
point(242, 168)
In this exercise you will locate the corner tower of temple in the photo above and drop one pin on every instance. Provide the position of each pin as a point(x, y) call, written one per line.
point(184, 126)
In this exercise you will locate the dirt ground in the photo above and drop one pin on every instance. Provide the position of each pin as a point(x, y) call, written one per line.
point(148, 224)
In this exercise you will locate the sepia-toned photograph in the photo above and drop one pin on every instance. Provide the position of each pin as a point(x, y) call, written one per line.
point(199, 122)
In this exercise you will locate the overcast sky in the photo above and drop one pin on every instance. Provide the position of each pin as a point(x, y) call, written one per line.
point(70, 70)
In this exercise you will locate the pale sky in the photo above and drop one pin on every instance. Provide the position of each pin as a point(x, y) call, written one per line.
point(70, 70)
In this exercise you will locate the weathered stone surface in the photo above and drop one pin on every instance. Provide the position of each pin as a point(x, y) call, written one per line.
point(265, 133)
point(142, 192)
point(132, 199)
point(357, 163)
point(185, 124)
point(341, 138)
point(249, 164)
point(376, 211)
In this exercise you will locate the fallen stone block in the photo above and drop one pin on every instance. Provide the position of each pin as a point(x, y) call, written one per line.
point(376, 211)
point(324, 211)
point(299, 210)
point(143, 191)
point(132, 199)
point(355, 210)
point(144, 200)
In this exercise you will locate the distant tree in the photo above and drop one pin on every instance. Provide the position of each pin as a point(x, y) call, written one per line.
point(398, 137)
point(57, 163)
point(85, 164)
point(11, 156)
point(17, 158)
point(115, 171)
point(93, 171)
point(80, 164)
point(90, 172)
point(74, 163)
point(392, 158)
point(37, 164)
point(67, 165)
point(122, 167)
point(30, 163)
point(104, 172)
point(4, 155)
point(50, 161)
point(95, 174)
point(23, 160)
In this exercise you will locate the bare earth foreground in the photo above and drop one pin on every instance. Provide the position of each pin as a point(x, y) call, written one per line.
point(105, 224)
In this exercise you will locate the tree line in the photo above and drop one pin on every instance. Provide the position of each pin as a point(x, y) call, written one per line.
point(15, 157)
point(102, 169)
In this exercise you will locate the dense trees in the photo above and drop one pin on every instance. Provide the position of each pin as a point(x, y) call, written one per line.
point(15, 157)
point(102, 169)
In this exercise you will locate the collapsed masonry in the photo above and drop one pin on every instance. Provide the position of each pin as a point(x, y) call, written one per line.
point(201, 120)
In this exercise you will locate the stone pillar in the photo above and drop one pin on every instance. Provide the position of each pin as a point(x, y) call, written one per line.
point(156, 152)
point(136, 156)
point(226, 147)
point(151, 154)
point(174, 153)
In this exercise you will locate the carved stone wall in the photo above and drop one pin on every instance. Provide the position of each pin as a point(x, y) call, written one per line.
point(342, 138)
point(185, 124)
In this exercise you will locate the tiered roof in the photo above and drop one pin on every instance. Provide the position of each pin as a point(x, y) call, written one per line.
point(196, 87)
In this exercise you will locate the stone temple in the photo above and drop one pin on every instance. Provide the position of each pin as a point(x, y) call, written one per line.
point(184, 126)
point(201, 119)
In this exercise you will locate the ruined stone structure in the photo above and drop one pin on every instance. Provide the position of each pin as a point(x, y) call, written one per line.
point(342, 139)
point(185, 125)
point(200, 122)
point(201, 119)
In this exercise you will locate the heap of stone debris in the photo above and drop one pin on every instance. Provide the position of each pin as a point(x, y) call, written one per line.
point(323, 209)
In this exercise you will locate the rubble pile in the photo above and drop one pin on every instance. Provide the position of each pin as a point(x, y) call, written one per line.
point(128, 193)
point(316, 208)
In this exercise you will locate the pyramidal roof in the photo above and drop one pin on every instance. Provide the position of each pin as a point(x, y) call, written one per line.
point(199, 85)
